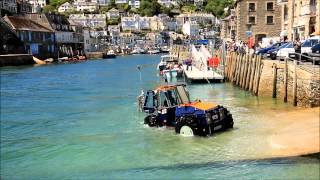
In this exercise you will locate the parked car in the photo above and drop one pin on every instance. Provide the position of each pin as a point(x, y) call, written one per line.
point(273, 52)
point(315, 54)
point(284, 52)
point(262, 51)
point(308, 44)
point(316, 49)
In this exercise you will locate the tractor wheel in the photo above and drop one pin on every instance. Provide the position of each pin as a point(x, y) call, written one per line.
point(151, 121)
point(186, 131)
point(179, 124)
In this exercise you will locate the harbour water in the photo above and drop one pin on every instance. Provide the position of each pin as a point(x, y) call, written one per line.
point(80, 121)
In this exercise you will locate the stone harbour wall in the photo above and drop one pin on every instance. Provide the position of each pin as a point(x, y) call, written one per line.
point(308, 84)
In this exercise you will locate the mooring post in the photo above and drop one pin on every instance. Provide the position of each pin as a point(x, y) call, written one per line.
point(285, 85)
point(295, 83)
point(274, 90)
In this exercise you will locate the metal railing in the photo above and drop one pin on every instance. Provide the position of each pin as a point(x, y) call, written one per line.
point(306, 63)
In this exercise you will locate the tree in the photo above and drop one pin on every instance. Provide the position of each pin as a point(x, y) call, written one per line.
point(189, 8)
point(149, 8)
point(48, 8)
point(216, 7)
point(167, 10)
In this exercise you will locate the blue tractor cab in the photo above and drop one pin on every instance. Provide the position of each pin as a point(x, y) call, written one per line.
point(170, 105)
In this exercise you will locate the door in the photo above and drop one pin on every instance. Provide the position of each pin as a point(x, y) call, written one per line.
point(149, 105)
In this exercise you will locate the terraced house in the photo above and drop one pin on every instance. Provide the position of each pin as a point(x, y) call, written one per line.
point(38, 40)
point(257, 18)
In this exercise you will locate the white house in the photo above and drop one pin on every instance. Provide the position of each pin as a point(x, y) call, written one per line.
point(90, 20)
point(114, 32)
point(200, 18)
point(113, 14)
point(65, 7)
point(37, 5)
point(130, 23)
point(167, 3)
point(121, 1)
point(144, 23)
point(9, 5)
point(134, 3)
point(191, 28)
point(89, 41)
point(83, 5)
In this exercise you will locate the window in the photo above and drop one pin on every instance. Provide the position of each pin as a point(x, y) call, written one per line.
point(252, 20)
point(252, 7)
point(269, 19)
point(269, 6)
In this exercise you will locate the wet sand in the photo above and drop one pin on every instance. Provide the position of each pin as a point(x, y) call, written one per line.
point(297, 134)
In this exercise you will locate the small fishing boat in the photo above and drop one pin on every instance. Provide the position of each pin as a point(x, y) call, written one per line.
point(110, 54)
point(166, 60)
point(138, 51)
point(169, 67)
point(153, 51)
point(62, 59)
point(49, 60)
point(38, 61)
point(164, 49)
point(82, 57)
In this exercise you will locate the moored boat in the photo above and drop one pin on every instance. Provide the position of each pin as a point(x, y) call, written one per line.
point(110, 54)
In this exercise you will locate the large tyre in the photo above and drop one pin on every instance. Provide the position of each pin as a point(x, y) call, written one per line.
point(186, 131)
point(151, 121)
point(183, 127)
point(179, 124)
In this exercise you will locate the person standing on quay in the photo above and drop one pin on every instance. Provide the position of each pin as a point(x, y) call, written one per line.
point(297, 48)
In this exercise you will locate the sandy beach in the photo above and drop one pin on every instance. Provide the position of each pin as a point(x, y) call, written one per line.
point(297, 134)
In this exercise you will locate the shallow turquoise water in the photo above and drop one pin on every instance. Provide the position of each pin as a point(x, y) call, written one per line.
point(79, 121)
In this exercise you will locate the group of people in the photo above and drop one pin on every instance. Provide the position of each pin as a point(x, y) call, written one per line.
point(212, 62)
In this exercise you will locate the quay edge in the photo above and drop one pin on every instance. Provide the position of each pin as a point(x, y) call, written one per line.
point(16, 60)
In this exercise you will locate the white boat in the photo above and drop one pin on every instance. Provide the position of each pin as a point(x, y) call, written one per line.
point(166, 60)
point(153, 51)
point(169, 67)
point(63, 59)
point(137, 51)
point(110, 54)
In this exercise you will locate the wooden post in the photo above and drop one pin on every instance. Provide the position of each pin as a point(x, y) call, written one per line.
point(256, 85)
point(245, 72)
point(285, 98)
point(248, 73)
point(295, 83)
point(274, 89)
point(253, 70)
point(234, 67)
point(240, 69)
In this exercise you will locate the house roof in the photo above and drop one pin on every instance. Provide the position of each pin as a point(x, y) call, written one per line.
point(21, 23)
point(113, 10)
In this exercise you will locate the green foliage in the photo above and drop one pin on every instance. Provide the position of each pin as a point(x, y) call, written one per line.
point(104, 9)
point(125, 7)
point(189, 8)
point(167, 10)
point(149, 8)
point(48, 8)
point(57, 3)
point(113, 21)
point(112, 4)
point(216, 7)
